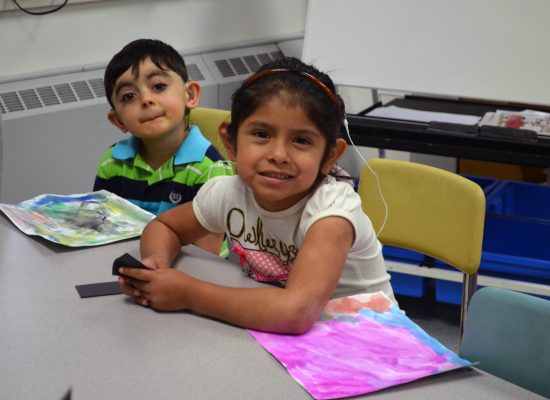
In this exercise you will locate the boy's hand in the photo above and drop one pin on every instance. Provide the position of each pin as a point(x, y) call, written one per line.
point(162, 289)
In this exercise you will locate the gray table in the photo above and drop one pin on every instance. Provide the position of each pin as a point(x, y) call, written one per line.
point(110, 348)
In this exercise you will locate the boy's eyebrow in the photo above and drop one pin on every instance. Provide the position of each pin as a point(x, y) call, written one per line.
point(124, 84)
point(156, 72)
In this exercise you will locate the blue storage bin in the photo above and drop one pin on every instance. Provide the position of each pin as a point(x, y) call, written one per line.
point(513, 248)
point(487, 184)
point(405, 284)
point(520, 199)
point(448, 292)
point(399, 254)
point(408, 285)
point(516, 246)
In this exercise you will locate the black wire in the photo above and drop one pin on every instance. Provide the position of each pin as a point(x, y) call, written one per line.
point(59, 7)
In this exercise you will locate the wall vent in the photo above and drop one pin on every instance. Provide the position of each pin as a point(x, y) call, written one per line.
point(97, 87)
point(11, 101)
point(72, 91)
point(19, 98)
point(244, 65)
point(231, 67)
point(48, 96)
point(39, 95)
point(195, 72)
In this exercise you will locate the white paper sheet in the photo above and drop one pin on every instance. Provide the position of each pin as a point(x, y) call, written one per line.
point(408, 114)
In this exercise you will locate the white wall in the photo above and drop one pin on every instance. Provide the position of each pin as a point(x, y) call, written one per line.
point(83, 36)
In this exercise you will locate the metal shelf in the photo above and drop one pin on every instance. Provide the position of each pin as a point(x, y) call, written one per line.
point(456, 276)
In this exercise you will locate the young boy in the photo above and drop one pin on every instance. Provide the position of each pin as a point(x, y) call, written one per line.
point(165, 161)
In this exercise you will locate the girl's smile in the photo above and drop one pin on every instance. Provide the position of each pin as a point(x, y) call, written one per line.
point(276, 175)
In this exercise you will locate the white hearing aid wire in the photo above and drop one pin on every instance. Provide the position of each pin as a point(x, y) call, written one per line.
point(375, 175)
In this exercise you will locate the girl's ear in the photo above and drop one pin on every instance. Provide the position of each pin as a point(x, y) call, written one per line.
point(113, 119)
point(334, 154)
point(227, 142)
point(193, 90)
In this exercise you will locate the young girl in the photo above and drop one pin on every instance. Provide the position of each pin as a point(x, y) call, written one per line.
point(289, 221)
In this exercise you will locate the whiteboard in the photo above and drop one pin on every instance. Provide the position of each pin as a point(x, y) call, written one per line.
point(486, 49)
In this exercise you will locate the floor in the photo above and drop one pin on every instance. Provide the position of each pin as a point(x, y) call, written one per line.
point(439, 320)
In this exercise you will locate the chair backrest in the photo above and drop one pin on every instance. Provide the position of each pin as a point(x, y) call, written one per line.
point(429, 210)
point(209, 120)
point(508, 333)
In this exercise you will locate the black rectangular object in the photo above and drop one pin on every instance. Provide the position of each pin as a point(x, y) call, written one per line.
point(448, 127)
point(517, 135)
point(126, 260)
point(98, 289)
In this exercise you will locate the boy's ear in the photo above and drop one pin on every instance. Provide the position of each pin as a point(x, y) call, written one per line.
point(113, 119)
point(193, 94)
point(226, 139)
point(334, 154)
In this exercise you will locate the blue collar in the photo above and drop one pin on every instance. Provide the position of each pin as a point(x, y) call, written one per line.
point(193, 148)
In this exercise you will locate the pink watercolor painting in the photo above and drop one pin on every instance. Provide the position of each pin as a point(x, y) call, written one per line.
point(361, 344)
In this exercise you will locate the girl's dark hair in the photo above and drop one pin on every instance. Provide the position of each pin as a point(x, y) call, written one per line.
point(302, 85)
point(161, 54)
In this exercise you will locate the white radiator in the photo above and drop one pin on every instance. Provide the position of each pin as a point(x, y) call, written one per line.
point(55, 128)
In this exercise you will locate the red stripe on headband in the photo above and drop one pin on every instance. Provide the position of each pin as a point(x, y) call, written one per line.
point(259, 75)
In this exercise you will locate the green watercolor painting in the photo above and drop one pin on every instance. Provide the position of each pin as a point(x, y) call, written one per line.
point(87, 219)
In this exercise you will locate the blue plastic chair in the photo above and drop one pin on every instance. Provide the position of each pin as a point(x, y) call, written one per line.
point(508, 333)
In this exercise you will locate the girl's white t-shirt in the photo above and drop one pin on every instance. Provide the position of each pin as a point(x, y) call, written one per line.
point(268, 242)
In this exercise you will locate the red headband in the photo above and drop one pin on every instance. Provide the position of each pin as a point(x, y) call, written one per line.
point(259, 75)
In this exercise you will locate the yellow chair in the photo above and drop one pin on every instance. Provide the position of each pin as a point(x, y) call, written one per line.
point(430, 211)
point(209, 120)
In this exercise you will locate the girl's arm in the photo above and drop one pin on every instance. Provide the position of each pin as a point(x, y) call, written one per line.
point(163, 237)
point(293, 309)
point(160, 244)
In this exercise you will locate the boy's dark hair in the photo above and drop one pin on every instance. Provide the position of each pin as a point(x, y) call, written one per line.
point(303, 85)
point(161, 54)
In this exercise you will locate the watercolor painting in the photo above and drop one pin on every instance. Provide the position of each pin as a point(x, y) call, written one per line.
point(361, 344)
point(87, 219)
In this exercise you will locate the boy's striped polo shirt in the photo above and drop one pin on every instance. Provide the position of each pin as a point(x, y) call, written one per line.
point(123, 171)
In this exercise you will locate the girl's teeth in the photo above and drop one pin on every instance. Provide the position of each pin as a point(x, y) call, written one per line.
point(278, 176)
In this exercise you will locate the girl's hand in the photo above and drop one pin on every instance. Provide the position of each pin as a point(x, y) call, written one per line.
point(162, 288)
point(129, 290)
point(155, 263)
